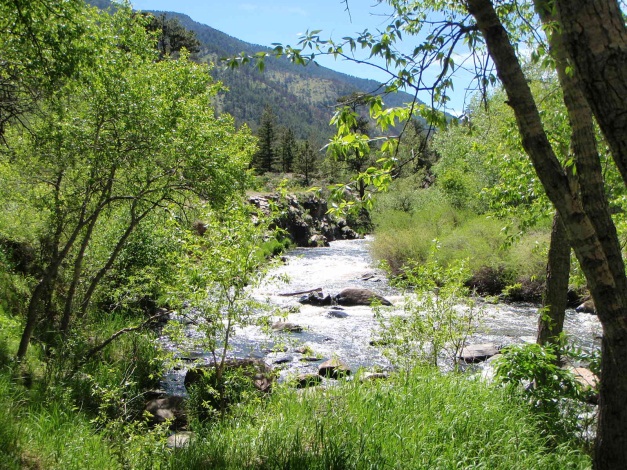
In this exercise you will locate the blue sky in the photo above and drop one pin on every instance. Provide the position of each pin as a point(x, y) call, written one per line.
point(280, 21)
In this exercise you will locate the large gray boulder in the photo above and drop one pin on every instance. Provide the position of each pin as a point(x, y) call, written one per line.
point(168, 409)
point(358, 296)
point(587, 307)
point(287, 327)
point(478, 353)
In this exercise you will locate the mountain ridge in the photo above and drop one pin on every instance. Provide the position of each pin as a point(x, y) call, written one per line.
point(302, 97)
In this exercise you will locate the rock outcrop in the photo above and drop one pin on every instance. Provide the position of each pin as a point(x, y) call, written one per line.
point(305, 219)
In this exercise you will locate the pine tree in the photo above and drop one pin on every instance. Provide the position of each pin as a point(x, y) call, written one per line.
point(306, 160)
point(287, 150)
point(264, 158)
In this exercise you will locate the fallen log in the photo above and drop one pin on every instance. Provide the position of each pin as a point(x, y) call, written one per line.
point(318, 289)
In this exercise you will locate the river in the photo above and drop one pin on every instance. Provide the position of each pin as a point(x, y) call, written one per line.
point(348, 264)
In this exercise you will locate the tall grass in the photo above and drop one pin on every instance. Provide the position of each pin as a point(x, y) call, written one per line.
point(47, 436)
point(421, 420)
point(408, 234)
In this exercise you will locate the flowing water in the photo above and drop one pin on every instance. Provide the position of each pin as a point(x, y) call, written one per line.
point(348, 264)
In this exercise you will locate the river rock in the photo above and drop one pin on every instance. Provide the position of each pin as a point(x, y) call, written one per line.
point(358, 296)
point(337, 313)
point(333, 369)
point(256, 370)
point(170, 408)
point(309, 359)
point(587, 307)
point(284, 360)
point(372, 376)
point(318, 241)
point(316, 298)
point(179, 440)
point(308, 380)
point(477, 353)
point(585, 377)
point(287, 326)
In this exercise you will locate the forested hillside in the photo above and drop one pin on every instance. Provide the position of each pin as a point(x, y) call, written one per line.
point(302, 98)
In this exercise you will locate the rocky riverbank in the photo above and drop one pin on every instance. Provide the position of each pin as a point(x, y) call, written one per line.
point(305, 219)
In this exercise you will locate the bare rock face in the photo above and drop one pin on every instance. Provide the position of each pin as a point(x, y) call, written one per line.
point(358, 296)
point(333, 369)
point(305, 218)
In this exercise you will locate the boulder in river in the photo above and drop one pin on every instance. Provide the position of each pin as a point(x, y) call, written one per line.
point(333, 369)
point(477, 353)
point(587, 307)
point(358, 296)
point(337, 313)
point(316, 298)
point(287, 326)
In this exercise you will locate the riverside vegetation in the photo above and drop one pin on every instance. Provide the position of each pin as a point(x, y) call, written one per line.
point(122, 192)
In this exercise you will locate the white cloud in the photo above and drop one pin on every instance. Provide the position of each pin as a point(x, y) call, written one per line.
point(272, 9)
point(248, 7)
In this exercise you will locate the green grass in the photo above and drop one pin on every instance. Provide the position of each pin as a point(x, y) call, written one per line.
point(408, 235)
point(412, 421)
point(424, 420)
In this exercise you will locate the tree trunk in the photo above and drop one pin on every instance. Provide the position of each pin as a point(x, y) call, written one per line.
point(596, 41)
point(588, 223)
point(554, 298)
point(135, 220)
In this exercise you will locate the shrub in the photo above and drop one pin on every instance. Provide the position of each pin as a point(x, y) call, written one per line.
point(438, 315)
point(552, 391)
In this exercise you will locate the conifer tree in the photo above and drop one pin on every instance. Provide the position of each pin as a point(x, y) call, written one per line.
point(287, 150)
point(265, 156)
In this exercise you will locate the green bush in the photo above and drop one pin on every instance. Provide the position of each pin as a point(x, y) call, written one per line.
point(111, 384)
point(553, 392)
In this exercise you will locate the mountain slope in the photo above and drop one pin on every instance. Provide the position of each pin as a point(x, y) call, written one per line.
point(302, 98)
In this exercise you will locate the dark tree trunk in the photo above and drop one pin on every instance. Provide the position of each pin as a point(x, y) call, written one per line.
point(554, 298)
point(584, 211)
